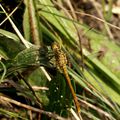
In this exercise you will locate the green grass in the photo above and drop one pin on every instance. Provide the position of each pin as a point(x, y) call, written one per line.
point(97, 86)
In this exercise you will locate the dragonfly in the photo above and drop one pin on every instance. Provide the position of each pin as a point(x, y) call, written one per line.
point(61, 62)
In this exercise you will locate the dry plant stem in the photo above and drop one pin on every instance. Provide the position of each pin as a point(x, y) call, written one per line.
point(61, 62)
point(16, 29)
point(20, 75)
point(49, 114)
point(89, 15)
point(95, 4)
point(39, 116)
point(72, 9)
point(34, 25)
point(46, 74)
point(97, 109)
point(98, 93)
point(37, 88)
point(77, 117)
point(78, 32)
point(11, 13)
point(99, 19)
point(30, 114)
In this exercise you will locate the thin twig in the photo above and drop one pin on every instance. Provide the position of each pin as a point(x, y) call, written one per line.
point(16, 29)
point(38, 100)
point(30, 114)
point(80, 36)
point(97, 109)
point(85, 14)
point(95, 4)
point(11, 13)
point(37, 88)
point(77, 117)
point(49, 114)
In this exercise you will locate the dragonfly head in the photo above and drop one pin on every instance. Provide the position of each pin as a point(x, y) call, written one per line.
point(55, 46)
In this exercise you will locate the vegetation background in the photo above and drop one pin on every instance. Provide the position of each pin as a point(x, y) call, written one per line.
point(31, 86)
